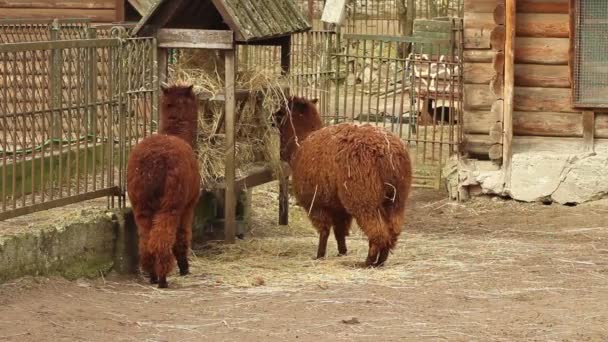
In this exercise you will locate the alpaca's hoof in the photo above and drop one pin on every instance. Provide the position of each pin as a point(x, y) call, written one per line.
point(163, 284)
point(184, 272)
point(153, 280)
point(341, 254)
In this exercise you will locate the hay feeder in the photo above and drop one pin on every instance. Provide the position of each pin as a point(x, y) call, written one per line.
point(221, 25)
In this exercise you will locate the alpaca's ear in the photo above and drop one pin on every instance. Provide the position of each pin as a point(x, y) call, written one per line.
point(191, 88)
point(164, 88)
point(314, 101)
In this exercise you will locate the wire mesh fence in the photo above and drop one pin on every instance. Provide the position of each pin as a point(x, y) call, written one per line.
point(69, 111)
point(590, 69)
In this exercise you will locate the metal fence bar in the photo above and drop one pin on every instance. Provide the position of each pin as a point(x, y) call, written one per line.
point(70, 111)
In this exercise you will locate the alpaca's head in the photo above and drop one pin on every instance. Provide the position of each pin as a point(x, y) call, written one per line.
point(179, 111)
point(298, 118)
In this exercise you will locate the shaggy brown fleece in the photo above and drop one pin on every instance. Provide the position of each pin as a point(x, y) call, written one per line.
point(343, 172)
point(163, 185)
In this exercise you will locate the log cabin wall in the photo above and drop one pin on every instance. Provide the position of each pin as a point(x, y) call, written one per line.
point(98, 11)
point(542, 112)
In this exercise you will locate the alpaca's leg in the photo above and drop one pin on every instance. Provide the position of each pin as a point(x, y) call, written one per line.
point(322, 221)
point(322, 249)
point(341, 230)
point(160, 244)
point(146, 259)
point(183, 239)
point(379, 237)
point(382, 256)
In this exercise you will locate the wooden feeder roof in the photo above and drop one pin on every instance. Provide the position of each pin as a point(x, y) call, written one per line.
point(250, 20)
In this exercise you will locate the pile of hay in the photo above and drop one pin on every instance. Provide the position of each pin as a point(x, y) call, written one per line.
point(257, 142)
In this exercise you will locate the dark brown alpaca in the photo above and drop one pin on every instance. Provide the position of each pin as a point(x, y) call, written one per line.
point(163, 184)
point(343, 172)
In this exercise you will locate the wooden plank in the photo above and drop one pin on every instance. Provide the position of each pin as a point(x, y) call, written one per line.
point(162, 61)
point(158, 16)
point(528, 99)
point(551, 124)
point(478, 97)
point(588, 129)
point(497, 85)
point(509, 85)
point(478, 20)
point(479, 6)
point(477, 145)
point(195, 39)
point(230, 166)
point(477, 121)
point(119, 10)
point(478, 56)
point(545, 76)
point(496, 132)
point(497, 110)
point(542, 6)
point(228, 19)
point(495, 152)
point(142, 6)
point(601, 125)
point(477, 38)
point(543, 25)
point(549, 51)
point(499, 14)
point(477, 73)
point(497, 38)
point(498, 63)
point(561, 145)
point(76, 4)
point(96, 15)
point(334, 12)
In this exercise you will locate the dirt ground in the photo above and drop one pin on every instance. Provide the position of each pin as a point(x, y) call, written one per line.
point(487, 270)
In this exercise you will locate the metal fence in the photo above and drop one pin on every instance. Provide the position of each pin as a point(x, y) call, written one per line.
point(384, 17)
point(409, 86)
point(69, 111)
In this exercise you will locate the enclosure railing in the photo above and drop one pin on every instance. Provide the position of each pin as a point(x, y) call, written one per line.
point(384, 17)
point(69, 112)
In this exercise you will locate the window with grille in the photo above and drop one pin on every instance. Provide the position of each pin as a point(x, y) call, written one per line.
point(589, 39)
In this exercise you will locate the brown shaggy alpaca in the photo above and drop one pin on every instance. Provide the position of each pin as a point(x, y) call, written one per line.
point(163, 184)
point(343, 172)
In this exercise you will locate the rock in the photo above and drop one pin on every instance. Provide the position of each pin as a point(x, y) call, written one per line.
point(586, 180)
point(536, 175)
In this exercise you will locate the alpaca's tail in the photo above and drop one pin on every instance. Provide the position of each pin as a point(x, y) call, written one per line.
point(161, 241)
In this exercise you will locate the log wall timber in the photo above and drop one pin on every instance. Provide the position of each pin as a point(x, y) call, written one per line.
point(497, 43)
point(543, 6)
point(482, 41)
point(546, 51)
point(101, 11)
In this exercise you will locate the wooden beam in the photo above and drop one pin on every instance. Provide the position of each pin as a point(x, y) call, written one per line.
point(230, 171)
point(195, 39)
point(221, 8)
point(548, 51)
point(157, 17)
point(509, 89)
point(544, 76)
point(499, 14)
point(588, 130)
point(162, 57)
point(497, 38)
point(78, 4)
point(542, 6)
point(284, 178)
point(119, 8)
point(542, 25)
